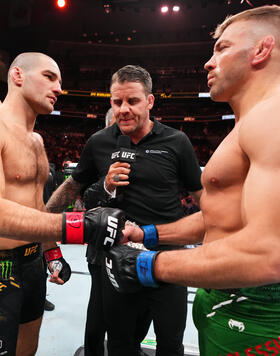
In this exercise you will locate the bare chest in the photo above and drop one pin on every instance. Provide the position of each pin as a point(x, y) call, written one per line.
point(228, 167)
point(24, 160)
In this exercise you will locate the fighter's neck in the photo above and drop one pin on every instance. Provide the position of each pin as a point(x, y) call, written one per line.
point(18, 113)
point(253, 95)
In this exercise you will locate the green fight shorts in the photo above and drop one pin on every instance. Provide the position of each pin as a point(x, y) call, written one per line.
point(242, 323)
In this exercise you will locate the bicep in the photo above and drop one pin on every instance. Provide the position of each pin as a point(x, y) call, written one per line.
point(260, 197)
point(261, 190)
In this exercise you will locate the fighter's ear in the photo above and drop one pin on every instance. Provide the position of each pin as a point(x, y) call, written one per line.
point(263, 50)
point(16, 75)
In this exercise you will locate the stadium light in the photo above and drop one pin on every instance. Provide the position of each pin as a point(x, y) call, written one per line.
point(61, 3)
point(164, 9)
point(176, 8)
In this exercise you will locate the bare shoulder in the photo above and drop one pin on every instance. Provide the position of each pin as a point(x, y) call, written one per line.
point(258, 130)
point(38, 137)
point(3, 118)
point(3, 131)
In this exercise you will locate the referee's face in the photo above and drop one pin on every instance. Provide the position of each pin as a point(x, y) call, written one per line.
point(131, 107)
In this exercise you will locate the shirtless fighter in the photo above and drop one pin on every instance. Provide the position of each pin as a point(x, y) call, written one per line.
point(237, 307)
point(34, 83)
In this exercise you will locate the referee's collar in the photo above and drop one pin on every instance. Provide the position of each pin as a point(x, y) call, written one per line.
point(156, 129)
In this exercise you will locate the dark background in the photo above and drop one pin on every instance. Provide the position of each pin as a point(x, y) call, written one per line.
point(90, 44)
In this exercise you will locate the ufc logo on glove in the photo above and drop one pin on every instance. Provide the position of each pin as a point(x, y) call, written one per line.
point(112, 230)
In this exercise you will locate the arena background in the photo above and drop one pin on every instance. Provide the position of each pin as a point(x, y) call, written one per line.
point(90, 39)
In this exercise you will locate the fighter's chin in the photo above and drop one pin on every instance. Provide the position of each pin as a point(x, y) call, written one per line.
point(46, 110)
point(216, 96)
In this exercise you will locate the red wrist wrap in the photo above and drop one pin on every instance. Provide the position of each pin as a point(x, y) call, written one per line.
point(53, 254)
point(74, 228)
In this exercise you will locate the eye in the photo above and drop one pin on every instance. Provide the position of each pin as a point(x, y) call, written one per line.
point(133, 101)
point(222, 48)
point(49, 76)
point(117, 102)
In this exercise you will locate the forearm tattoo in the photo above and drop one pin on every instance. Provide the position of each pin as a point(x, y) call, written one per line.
point(64, 195)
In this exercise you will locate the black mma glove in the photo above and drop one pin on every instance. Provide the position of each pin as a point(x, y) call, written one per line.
point(130, 269)
point(56, 262)
point(101, 227)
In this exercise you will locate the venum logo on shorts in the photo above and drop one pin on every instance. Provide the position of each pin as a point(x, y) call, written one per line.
point(112, 225)
point(234, 324)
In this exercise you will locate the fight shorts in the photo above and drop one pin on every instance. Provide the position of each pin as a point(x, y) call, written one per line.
point(238, 322)
point(22, 292)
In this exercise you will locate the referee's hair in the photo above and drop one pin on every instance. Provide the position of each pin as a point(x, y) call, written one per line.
point(133, 73)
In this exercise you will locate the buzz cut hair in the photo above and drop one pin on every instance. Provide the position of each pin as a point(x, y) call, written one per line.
point(133, 73)
point(27, 61)
point(268, 13)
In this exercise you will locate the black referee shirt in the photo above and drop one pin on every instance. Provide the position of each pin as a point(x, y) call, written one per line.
point(165, 160)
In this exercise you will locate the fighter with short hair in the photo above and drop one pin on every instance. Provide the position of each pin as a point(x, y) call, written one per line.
point(34, 83)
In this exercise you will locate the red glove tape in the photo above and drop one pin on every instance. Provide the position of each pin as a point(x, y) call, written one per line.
point(53, 254)
point(74, 227)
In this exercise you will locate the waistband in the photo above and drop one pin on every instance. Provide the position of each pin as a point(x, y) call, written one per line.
point(269, 292)
point(226, 291)
point(22, 254)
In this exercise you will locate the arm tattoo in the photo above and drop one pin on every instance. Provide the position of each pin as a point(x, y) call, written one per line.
point(64, 195)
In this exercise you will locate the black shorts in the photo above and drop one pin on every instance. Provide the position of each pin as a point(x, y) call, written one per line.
point(22, 291)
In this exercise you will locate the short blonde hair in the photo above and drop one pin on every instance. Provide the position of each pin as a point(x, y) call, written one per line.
point(267, 13)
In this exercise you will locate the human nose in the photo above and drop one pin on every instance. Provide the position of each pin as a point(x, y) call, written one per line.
point(210, 64)
point(57, 89)
point(124, 108)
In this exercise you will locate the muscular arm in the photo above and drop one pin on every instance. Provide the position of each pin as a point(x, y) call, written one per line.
point(249, 257)
point(64, 195)
point(225, 263)
point(23, 223)
point(49, 244)
point(188, 230)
